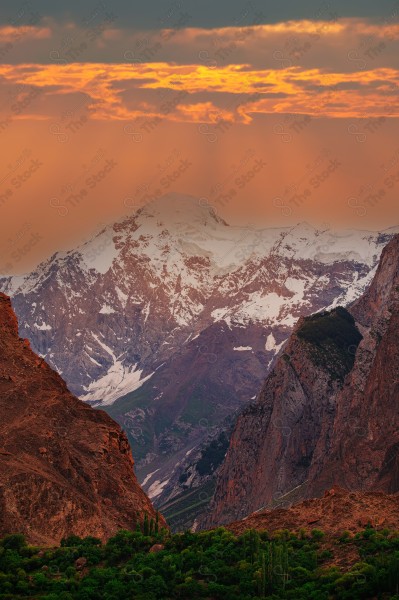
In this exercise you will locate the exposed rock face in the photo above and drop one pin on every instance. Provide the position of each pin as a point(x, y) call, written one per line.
point(363, 453)
point(65, 468)
point(328, 413)
point(274, 440)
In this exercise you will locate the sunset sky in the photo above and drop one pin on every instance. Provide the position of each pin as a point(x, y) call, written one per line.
point(273, 113)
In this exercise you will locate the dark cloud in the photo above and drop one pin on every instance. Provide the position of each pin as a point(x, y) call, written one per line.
point(158, 14)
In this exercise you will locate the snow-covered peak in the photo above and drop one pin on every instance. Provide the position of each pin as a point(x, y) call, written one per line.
point(174, 209)
point(303, 230)
point(176, 231)
point(391, 230)
point(99, 253)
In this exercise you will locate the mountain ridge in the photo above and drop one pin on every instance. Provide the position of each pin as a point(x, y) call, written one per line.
point(314, 424)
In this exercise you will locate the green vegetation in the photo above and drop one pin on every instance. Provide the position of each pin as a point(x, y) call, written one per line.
point(333, 339)
point(211, 565)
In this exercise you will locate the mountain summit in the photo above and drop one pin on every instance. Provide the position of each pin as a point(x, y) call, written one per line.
point(179, 209)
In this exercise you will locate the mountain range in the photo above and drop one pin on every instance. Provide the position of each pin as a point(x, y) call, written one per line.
point(171, 319)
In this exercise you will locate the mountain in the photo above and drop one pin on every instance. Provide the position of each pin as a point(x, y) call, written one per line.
point(171, 319)
point(363, 452)
point(65, 468)
point(327, 413)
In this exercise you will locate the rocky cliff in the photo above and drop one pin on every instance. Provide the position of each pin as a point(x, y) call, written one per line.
point(363, 452)
point(65, 468)
point(327, 414)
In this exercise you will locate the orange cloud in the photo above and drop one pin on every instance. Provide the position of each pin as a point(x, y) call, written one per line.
point(249, 90)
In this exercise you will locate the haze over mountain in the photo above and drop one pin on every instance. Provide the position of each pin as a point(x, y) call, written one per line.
point(171, 319)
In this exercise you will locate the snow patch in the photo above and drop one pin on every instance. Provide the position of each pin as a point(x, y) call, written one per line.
point(122, 297)
point(219, 314)
point(42, 327)
point(156, 488)
point(148, 477)
point(242, 348)
point(117, 382)
point(271, 344)
point(100, 252)
point(93, 360)
point(106, 310)
point(261, 307)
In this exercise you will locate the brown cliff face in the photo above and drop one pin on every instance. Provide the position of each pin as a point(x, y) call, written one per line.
point(363, 453)
point(275, 440)
point(65, 468)
point(327, 414)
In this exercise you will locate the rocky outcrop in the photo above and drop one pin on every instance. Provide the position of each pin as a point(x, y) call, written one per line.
point(335, 512)
point(363, 452)
point(65, 468)
point(327, 414)
point(274, 442)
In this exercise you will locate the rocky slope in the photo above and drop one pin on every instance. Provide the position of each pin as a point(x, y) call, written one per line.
point(65, 468)
point(328, 412)
point(338, 510)
point(339, 514)
point(170, 319)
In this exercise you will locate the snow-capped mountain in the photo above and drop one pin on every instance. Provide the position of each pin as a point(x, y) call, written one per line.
point(171, 308)
point(176, 266)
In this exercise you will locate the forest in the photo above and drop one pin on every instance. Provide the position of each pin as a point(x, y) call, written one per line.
point(152, 564)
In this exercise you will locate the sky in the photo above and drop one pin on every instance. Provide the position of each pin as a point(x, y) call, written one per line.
point(273, 113)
